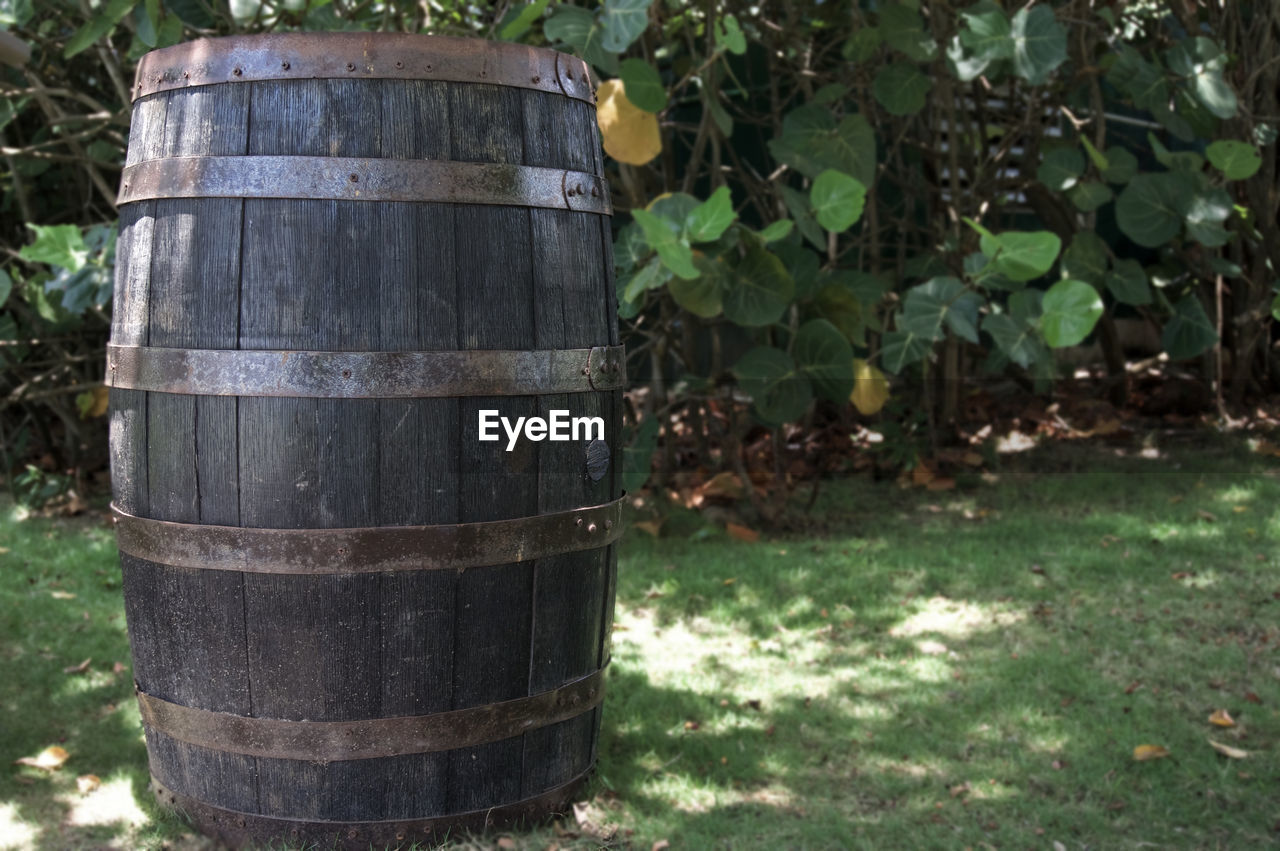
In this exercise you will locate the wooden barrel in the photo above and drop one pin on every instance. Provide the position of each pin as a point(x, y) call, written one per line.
point(352, 620)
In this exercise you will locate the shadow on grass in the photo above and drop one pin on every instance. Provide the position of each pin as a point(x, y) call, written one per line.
point(963, 666)
point(59, 610)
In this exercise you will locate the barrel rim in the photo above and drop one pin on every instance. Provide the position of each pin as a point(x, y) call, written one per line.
point(361, 56)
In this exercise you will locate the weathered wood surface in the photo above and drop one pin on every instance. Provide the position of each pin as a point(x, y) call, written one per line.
point(362, 276)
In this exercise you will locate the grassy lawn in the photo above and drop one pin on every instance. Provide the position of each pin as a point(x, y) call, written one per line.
point(965, 668)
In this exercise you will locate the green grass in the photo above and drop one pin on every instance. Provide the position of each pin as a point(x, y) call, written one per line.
point(966, 668)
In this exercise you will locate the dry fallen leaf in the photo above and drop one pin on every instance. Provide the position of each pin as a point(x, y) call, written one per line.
point(660, 845)
point(62, 595)
point(1222, 718)
point(652, 527)
point(742, 533)
point(725, 484)
point(1266, 448)
point(86, 783)
point(1142, 753)
point(506, 842)
point(942, 484)
point(1206, 515)
point(921, 475)
point(50, 758)
point(629, 134)
point(78, 669)
point(1228, 751)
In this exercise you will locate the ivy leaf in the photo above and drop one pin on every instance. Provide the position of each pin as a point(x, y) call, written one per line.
point(649, 277)
point(1022, 256)
point(802, 264)
point(99, 25)
point(1085, 258)
point(579, 29)
point(798, 205)
point(1205, 215)
point(938, 301)
point(778, 230)
point(1089, 196)
point(812, 142)
point(903, 30)
point(1128, 283)
point(761, 289)
point(704, 295)
point(729, 35)
point(1014, 338)
point(837, 200)
point(901, 88)
point(1142, 81)
point(6, 287)
point(718, 114)
point(58, 245)
point(1071, 309)
point(825, 356)
point(1188, 332)
point(1236, 160)
point(862, 45)
point(1186, 161)
point(900, 349)
point(643, 85)
point(622, 22)
point(839, 306)
point(1150, 209)
point(710, 219)
point(1201, 61)
point(1098, 159)
point(966, 68)
point(779, 391)
point(663, 237)
point(1061, 168)
point(520, 23)
point(1039, 44)
point(1121, 166)
point(987, 32)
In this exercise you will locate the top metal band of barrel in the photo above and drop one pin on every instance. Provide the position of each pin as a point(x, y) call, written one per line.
point(356, 56)
point(357, 179)
point(365, 375)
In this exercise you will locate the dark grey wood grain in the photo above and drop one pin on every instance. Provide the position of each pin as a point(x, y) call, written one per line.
point(187, 626)
point(360, 276)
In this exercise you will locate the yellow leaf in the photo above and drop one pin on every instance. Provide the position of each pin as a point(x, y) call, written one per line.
point(870, 387)
point(86, 783)
point(1142, 753)
point(101, 399)
point(630, 134)
point(1228, 751)
point(1222, 718)
point(50, 758)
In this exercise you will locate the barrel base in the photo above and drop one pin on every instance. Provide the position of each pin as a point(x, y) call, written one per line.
point(240, 830)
